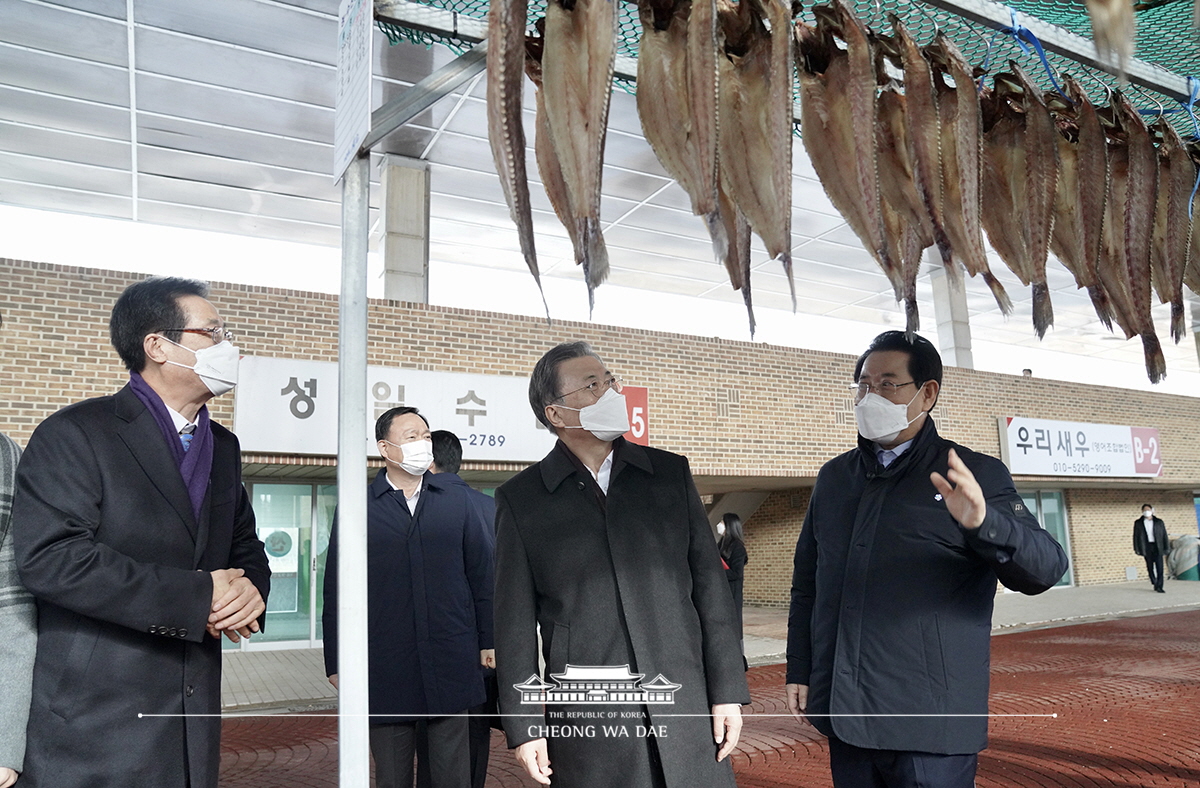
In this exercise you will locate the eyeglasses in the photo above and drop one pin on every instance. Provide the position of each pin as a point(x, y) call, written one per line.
point(217, 334)
point(885, 389)
point(597, 388)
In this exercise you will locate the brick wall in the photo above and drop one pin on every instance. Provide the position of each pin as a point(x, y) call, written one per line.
point(737, 409)
point(770, 544)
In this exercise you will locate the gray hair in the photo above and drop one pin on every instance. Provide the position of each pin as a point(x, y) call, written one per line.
point(544, 384)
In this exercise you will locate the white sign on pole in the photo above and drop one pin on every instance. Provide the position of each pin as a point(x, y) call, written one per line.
point(290, 406)
point(352, 106)
point(1043, 447)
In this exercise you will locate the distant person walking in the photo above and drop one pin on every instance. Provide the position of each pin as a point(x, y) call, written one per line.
point(733, 551)
point(1150, 542)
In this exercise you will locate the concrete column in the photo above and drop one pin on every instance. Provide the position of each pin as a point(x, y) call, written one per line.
point(950, 309)
point(405, 229)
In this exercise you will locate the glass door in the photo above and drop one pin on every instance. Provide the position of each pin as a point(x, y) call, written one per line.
point(284, 513)
point(1051, 512)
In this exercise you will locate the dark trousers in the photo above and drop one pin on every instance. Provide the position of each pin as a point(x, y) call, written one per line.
point(479, 739)
point(393, 746)
point(855, 767)
point(1154, 565)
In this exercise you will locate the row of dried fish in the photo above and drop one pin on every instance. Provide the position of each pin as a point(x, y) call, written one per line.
point(911, 179)
point(715, 101)
point(714, 97)
point(1088, 184)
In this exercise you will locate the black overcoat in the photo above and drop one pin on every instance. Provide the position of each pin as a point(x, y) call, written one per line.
point(429, 601)
point(1160, 537)
point(638, 583)
point(892, 599)
point(108, 543)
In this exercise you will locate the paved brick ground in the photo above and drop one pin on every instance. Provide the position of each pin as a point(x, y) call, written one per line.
point(1126, 692)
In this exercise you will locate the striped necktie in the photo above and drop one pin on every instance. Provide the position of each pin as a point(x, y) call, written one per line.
point(186, 435)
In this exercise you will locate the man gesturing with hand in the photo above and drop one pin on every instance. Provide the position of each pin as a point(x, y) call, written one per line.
point(895, 573)
point(135, 536)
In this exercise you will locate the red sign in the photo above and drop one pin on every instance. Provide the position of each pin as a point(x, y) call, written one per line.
point(637, 402)
point(1147, 453)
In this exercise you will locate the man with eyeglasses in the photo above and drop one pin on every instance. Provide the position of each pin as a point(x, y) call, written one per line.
point(895, 573)
point(135, 536)
point(605, 547)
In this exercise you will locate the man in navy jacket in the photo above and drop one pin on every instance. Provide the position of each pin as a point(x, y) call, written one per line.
point(895, 574)
point(429, 601)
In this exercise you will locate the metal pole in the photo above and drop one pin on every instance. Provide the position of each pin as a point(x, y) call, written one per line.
point(1056, 39)
point(354, 761)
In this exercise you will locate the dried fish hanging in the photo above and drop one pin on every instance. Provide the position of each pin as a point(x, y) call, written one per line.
point(506, 132)
point(1113, 28)
point(1172, 222)
point(677, 101)
point(1125, 254)
point(755, 121)
point(1082, 188)
point(837, 87)
point(576, 68)
point(962, 161)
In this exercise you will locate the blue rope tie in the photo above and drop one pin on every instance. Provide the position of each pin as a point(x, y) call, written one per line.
point(1029, 44)
point(1193, 94)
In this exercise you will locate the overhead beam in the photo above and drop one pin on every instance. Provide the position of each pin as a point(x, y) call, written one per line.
point(998, 16)
point(423, 95)
point(451, 24)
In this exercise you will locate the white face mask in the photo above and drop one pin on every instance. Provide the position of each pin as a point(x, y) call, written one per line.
point(217, 366)
point(608, 419)
point(417, 456)
point(881, 420)
point(1148, 514)
point(720, 529)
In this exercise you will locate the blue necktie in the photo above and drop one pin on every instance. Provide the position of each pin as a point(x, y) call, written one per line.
point(185, 436)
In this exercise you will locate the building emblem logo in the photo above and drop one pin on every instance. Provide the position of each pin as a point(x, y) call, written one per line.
point(597, 684)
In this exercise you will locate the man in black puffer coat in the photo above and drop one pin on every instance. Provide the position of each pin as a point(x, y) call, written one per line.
point(895, 574)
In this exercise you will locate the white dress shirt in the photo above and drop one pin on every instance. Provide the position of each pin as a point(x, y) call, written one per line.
point(601, 476)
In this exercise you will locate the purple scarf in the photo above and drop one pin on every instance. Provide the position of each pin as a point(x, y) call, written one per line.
point(195, 465)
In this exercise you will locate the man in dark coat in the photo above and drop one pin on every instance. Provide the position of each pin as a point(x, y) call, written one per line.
point(429, 600)
point(1150, 541)
point(895, 574)
point(605, 546)
point(140, 553)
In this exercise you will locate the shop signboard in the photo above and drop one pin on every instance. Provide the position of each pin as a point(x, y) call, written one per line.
point(1044, 447)
point(290, 406)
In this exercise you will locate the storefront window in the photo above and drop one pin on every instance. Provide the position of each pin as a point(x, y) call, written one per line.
point(1048, 507)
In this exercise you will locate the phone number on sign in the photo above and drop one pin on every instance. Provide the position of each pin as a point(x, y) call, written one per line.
point(476, 439)
point(1076, 467)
